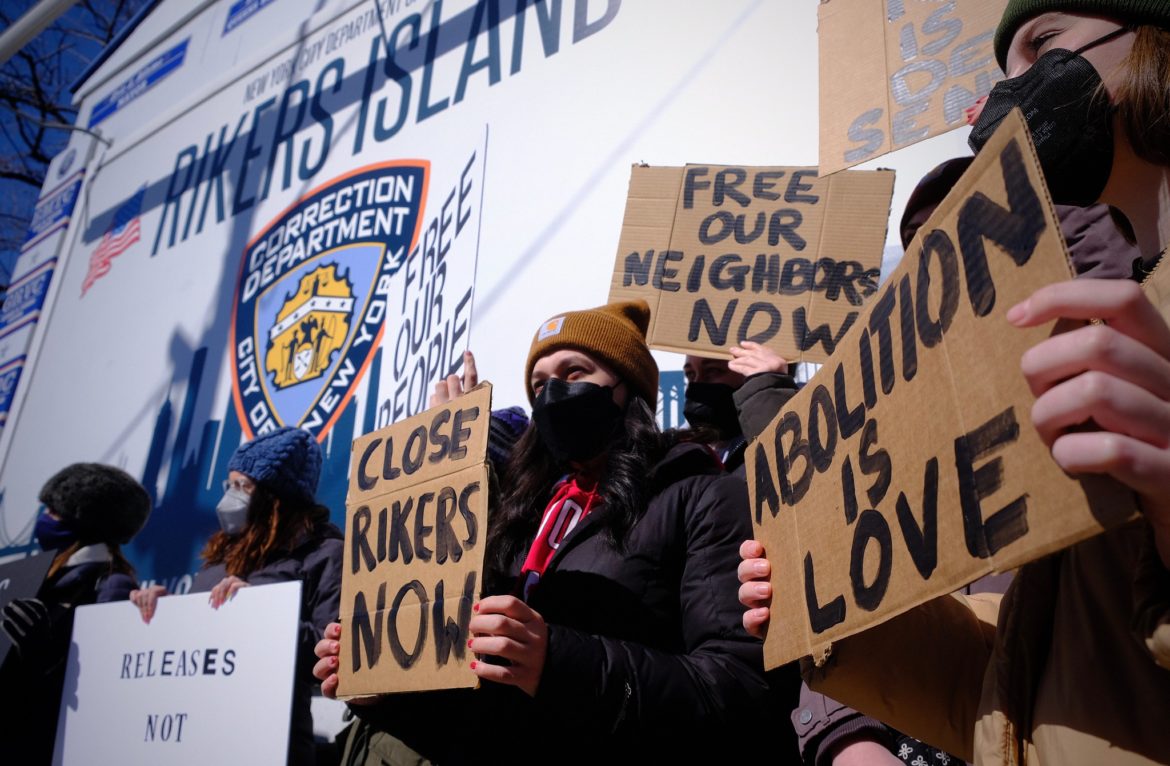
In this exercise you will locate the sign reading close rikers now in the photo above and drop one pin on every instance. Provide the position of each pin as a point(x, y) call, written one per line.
point(896, 72)
point(179, 690)
point(415, 532)
point(774, 255)
point(909, 466)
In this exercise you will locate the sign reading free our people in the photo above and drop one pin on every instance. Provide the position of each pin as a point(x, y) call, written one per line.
point(909, 467)
point(195, 686)
point(774, 255)
point(896, 72)
point(415, 533)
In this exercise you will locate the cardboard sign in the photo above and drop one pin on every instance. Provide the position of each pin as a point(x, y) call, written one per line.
point(908, 466)
point(21, 579)
point(1157, 287)
point(895, 72)
point(769, 254)
point(416, 525)
point(195, 686)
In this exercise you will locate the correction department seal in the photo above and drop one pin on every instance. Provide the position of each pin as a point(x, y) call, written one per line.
point(311, 301)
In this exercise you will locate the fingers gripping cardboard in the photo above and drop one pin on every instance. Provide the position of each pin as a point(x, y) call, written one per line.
point(908, 466)
point(416, 526)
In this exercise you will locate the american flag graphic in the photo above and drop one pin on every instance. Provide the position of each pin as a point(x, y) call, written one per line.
point(124, 231)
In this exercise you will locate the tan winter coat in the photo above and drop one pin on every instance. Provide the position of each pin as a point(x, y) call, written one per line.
point(1072, 668)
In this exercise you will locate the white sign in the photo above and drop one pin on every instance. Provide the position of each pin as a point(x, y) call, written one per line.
point(195, 686)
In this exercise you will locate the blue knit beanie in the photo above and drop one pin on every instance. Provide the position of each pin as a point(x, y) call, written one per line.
point(287, 462)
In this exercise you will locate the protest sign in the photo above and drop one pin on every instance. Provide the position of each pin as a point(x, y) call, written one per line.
point(416, 525)
point(1157, 287)
point(20, 579)
point(896, 72)
point(774, 255)
point(908, 466)
point(195, 686)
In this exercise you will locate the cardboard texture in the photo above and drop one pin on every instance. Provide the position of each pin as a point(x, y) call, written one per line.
point(1157, 286)
point(775, 255)
point(908, 467)
point(416, 526)
point(896, 72)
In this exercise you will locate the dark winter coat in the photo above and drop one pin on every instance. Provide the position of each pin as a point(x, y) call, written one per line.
point(647, 657)
point(30, 685)
point(316, 561)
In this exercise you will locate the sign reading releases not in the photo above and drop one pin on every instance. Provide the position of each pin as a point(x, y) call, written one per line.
point(179, 690)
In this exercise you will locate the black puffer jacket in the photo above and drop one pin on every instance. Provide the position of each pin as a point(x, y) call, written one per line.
point(316, 561)
point(647, 660)
point(31, 685)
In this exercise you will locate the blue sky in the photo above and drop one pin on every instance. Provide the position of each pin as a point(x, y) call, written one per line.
point(45, 68)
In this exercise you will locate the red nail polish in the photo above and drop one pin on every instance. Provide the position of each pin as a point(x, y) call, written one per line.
point(475, 608)
point(473, 665)
point(469, 642)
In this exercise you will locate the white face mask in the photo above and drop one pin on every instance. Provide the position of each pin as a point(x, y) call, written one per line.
point(232, 511)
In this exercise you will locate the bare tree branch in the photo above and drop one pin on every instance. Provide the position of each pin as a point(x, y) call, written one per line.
point(35, 100)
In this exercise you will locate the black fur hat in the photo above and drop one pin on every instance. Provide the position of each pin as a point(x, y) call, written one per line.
point(102, 503)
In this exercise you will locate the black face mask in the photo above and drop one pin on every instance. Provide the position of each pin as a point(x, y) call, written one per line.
point(712, 405)
point(1070, 119)
point(575, 420)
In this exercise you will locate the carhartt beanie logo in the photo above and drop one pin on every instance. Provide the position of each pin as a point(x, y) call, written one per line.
point(614, 333)
point(286, 461)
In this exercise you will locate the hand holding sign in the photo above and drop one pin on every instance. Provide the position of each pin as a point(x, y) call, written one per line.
point(755, 592)
point(506, 627)
point(751, 358)
point(146, 599)
point(417, 518)
point(906, 470)
point(225, 590)
point(325, 670)
point(1115, 375)
point(453, 386)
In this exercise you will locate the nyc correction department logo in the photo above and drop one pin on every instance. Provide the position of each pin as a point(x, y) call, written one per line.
point(313, 293)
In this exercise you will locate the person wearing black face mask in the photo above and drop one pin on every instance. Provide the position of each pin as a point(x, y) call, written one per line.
point(610, 634)
point(735, 400)
point(1073, 665)
point(91, 510)
point(272, 530)
point(709, 405)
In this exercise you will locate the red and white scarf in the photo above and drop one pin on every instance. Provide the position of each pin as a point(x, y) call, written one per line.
point(569, 505)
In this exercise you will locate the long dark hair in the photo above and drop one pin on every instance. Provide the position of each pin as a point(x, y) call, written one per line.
point(275, 526)
point(627, 484)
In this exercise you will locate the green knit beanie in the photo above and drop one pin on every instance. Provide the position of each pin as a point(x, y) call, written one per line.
point(1019, 12)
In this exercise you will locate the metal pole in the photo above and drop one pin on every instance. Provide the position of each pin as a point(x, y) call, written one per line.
point(30, 25)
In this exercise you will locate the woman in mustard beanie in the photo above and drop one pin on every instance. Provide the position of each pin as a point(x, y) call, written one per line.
point(613, 634)
point(1073, 666)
